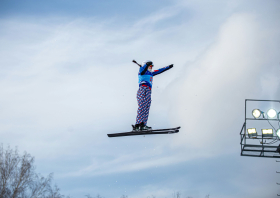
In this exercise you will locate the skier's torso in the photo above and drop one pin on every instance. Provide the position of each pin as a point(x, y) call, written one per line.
point(146, 79)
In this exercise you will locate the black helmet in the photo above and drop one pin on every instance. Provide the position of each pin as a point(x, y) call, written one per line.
point(147, 62)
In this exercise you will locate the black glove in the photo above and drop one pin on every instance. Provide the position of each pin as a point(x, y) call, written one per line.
point(171, 65)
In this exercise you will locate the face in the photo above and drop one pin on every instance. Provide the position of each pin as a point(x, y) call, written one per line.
point(150, 68)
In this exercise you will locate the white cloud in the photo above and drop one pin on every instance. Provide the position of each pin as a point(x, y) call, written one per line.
point(72, 74)
point(211, 94)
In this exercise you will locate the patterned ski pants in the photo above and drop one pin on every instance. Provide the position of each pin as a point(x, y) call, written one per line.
point(144, 103)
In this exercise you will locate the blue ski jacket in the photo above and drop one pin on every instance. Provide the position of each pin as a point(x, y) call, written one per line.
point(146, 77)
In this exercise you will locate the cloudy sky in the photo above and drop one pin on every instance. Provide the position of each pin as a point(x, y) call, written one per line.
point(66, 80)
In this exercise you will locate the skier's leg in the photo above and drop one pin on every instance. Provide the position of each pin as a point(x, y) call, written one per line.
point(141, 103)
point(148, 101)
point(144, 103)
point(146, 107)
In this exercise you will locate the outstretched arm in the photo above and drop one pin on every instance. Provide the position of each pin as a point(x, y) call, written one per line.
point(159, 71)
point(134, 61)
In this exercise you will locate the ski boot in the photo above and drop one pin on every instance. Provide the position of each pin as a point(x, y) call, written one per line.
point(145, 127)
point(136, 127)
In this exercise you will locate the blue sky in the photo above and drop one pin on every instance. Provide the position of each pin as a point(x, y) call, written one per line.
point(67, 80)
point(85, 8)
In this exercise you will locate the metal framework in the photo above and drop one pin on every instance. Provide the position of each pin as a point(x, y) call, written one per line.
point(258, 146)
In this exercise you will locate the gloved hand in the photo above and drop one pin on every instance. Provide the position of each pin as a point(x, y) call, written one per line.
point(171, 65)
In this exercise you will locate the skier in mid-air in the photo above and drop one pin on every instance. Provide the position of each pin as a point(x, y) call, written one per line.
point(145, 76)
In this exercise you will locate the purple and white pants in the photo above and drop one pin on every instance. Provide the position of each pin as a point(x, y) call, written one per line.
point(144, 103)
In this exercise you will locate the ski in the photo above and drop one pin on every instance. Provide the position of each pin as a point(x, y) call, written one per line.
point(146, 132)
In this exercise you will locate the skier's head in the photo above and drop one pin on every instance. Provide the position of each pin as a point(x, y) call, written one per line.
point(149, 64)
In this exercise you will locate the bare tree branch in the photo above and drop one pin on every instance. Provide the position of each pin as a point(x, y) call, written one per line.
point(18, 178)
